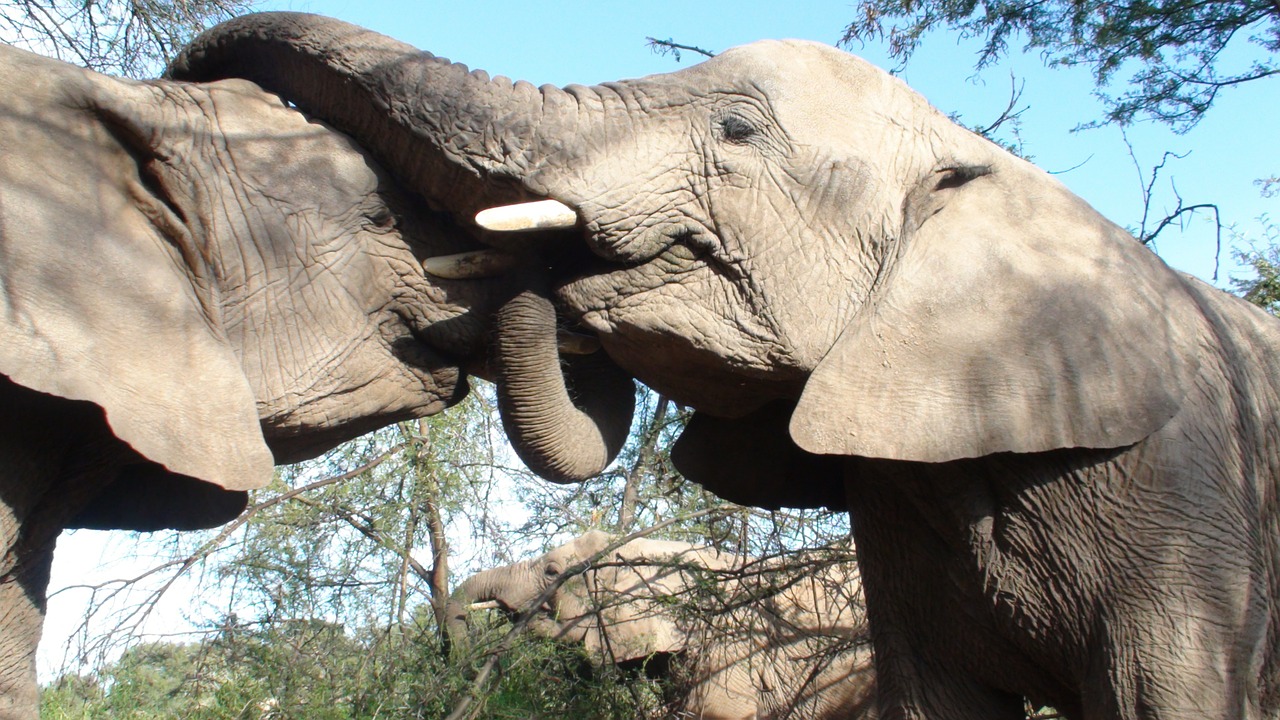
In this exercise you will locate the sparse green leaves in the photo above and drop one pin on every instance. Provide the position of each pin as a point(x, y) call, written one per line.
point(1263, 289)
point(1174, 49)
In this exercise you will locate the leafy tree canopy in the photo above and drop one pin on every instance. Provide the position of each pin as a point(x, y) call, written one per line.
point(1176, 49)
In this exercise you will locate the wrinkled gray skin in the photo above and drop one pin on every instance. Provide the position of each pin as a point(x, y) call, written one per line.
point(749, 640)
point(195, 282)
point(1059, 455)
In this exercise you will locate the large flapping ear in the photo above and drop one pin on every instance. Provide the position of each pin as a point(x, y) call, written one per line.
point(109, 318)
point(752, 460)
point(1014, 318)
point(97, 303)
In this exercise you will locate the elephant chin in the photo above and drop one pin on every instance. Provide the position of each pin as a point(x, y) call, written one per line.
point(566, 424)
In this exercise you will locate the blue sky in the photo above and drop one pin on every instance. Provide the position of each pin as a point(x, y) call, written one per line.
point(590, 42)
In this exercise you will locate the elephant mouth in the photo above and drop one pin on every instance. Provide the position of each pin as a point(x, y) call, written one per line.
point(616, 281)
point(578, 255)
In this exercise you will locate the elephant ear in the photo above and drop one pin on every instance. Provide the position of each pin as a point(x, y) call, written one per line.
point(97, 304)
point(1014, 318)
point(753, 461)
point(117, 326)
point(633, 621)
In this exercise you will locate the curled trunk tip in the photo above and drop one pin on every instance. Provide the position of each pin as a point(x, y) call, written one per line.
point(565, 430)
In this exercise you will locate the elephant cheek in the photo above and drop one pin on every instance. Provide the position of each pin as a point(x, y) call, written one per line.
point(719, 357)
point(395, 382)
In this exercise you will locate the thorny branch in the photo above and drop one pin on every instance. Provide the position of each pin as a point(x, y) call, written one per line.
point(127, 37)
point(1180, 212)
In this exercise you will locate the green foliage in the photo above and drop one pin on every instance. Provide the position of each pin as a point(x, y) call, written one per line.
point(540, 678)
point(328, 614)
point(313, 670)
point(1174, 49)
point(1263, 289)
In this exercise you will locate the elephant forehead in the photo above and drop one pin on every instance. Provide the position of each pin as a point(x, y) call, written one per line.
point(278, 147)
point(785, 69)
point(826, 97)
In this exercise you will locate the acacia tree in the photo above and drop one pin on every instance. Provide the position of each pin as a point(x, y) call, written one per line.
point(134, 38)
point(1176, 49)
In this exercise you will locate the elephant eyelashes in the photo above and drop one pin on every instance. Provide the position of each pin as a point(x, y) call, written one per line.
point(736, 130)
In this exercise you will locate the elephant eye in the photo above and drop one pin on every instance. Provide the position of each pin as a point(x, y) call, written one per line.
point(736, 129)
point(551, 570)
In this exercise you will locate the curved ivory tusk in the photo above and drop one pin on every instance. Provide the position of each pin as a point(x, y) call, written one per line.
point(472, 265)
point(486, 605)
point(539, 215)
point(572, 343)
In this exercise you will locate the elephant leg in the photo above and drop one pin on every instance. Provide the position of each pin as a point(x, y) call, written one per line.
point(54, 456)
point(924, 662)
point(22, 605)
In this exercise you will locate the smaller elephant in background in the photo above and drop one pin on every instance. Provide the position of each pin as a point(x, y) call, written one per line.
point(745, 638)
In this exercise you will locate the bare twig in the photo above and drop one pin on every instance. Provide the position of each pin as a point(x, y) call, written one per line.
point(1008, 114)
point(1180, 211)
point(672, 48)
point(644, 460)
point(142, 610)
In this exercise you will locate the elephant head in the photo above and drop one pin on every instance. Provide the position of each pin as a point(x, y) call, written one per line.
point(737, 637)
point(231, 283)
point(611, 607)
point(782, 236)
point(454, 153)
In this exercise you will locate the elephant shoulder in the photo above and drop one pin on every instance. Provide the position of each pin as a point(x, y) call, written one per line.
point(1241, 343)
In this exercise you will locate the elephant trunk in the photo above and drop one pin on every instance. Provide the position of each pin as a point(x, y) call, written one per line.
point(482, 587)
point(458, 138)
point(561, 436)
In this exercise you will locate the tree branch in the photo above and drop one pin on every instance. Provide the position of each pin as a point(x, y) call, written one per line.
point(670, 47)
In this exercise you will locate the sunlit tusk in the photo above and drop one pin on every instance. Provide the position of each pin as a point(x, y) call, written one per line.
point(486, 605)
point(571, 343)
point(540, 215)
point(472, 265)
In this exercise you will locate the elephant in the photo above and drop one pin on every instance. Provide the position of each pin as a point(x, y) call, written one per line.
point(1059, 455)
point(792, 643)
point(196, 282)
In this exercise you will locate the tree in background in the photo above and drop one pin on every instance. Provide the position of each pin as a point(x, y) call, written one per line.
point(1177, 49)
point(1263, 258)
point(326, 593)
point(134, 38)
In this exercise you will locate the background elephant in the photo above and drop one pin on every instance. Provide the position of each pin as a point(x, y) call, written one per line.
point(1060, 456)
point(196, 282)
point(747, 638)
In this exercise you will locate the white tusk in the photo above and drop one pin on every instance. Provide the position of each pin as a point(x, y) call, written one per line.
point(572, 343)
point(487, 605)
point(472, 265)
point(540, 215)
